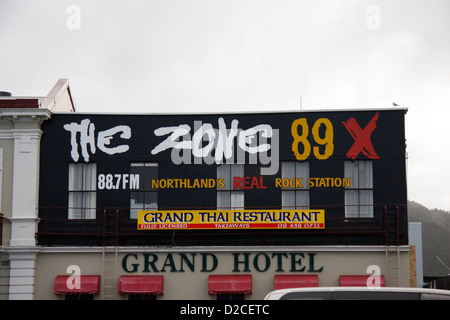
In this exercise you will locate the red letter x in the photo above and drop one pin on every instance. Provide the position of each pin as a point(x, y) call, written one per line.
point(362, 138)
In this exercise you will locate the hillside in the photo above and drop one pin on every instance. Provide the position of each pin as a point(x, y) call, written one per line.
point(435, 236)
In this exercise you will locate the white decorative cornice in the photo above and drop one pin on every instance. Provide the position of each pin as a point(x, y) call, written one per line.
point(218, 249)
point(28, 114)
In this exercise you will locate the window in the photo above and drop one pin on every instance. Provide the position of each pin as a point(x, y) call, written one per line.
point(227, 197)
point(359, 196)
point(82, 190)
point(295, 193)
point(145, 197)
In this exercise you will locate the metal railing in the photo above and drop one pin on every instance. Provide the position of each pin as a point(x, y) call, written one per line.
point(110, 225)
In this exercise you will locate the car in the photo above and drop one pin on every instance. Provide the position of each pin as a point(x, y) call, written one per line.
point(358, 293)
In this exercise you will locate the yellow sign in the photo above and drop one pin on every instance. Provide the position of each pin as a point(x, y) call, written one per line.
point(231, 219)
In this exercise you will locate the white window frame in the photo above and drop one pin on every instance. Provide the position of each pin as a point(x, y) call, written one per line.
point(227, 197)
point(359, 196)
point(293, 197)
point(148, 193)
point(82, 191)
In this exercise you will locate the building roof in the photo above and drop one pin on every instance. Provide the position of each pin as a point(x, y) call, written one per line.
point(58, 99)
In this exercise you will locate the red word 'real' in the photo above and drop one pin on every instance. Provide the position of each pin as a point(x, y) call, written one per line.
point(248, 183)
point(362, 138)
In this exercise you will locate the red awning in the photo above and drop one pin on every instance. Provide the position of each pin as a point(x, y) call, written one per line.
point(296, 281)
point(88, 284)
point(141, 284)
point(229, 284)
point(358, 281)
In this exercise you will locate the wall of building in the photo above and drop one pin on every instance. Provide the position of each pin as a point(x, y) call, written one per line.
point(180, 282)
point(113, 144)
point(36, 161)
point(20, 140)
point(19, 144)
point(7, 146)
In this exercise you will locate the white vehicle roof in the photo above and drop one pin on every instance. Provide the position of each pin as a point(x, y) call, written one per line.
point(278, 294)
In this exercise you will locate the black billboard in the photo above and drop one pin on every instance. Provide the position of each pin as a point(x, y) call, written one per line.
point(245, 178)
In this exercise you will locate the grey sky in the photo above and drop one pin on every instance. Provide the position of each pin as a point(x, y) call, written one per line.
point(203, 55)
